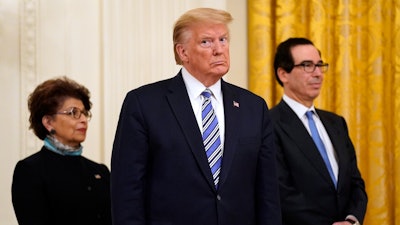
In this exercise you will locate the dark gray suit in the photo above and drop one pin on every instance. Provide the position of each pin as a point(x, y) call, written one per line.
point(159, 169)
point(308, 195)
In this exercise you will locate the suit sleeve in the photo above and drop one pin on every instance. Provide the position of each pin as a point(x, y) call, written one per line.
point(128, 165)
point(269, 211)
point(358, 195)
point(28, 195)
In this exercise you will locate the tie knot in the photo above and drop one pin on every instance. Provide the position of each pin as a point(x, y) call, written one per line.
point(206, 93)
point(309, 115)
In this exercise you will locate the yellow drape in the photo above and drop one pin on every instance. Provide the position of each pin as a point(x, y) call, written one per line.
point(360, 39)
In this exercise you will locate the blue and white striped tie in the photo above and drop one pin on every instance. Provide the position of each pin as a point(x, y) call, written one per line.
point(211, 139)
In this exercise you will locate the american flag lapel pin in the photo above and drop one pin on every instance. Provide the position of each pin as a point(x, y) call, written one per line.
point(236, 104)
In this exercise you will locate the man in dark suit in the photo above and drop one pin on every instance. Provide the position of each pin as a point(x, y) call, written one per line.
point(169, 166)
point(319, 182)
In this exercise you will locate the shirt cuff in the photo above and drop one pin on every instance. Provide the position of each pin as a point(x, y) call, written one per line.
point(352, 217)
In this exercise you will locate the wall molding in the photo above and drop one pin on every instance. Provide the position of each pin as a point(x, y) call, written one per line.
point(28, 65)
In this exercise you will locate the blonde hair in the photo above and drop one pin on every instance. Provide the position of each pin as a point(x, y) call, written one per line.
point(182, 26)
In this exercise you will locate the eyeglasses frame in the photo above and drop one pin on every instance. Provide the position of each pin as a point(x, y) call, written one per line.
point(306, 64)
point(78, 114)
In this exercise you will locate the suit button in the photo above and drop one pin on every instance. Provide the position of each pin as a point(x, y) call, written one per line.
point(89, 188)
point(218, 197)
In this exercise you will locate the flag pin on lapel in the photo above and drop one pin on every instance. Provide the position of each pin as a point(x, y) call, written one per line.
point(97, 176)
point(236, 104)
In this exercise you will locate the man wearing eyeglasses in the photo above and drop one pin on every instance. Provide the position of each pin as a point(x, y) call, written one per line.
point(319, 180)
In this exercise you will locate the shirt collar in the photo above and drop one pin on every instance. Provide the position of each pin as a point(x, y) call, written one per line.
point(195, 87)
point(297, 107)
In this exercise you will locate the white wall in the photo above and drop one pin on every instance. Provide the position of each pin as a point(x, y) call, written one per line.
point(109, 46)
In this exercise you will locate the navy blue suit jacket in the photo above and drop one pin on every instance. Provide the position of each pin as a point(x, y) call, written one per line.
point(159, 170)
point(308, 195)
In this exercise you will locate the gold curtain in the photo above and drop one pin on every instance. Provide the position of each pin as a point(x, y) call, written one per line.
point(360, 40)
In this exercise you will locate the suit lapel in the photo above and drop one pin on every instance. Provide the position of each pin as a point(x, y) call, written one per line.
point(183, 111)
point(231, 113)
point(335, 132)
point(295, 130)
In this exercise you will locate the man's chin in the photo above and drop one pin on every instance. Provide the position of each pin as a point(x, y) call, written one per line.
point(221, 70)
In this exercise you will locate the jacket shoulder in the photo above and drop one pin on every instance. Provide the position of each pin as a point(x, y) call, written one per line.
point(95, 165)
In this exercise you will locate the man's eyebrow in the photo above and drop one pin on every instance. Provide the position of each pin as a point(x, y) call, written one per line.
point(310, 61)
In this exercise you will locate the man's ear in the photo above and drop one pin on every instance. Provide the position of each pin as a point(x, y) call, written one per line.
point(180, 49)
point(282, 74)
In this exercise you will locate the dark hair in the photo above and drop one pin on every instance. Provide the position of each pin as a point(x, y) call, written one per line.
point(49, 96)
point(283, 55)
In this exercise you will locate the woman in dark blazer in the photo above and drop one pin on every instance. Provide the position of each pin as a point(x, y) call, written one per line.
point(57, 185)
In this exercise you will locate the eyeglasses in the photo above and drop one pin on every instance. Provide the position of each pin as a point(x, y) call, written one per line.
point(309, 67)
point(76, 113)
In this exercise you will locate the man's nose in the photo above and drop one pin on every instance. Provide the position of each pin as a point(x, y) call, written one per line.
point(217, 47)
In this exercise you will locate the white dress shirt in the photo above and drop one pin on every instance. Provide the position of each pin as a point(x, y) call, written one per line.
point(194, 89)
